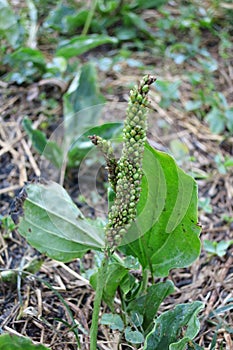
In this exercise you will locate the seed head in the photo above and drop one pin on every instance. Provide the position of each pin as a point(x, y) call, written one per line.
point(129, 166)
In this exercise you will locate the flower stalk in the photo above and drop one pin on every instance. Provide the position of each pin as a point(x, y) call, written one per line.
point(125, 179)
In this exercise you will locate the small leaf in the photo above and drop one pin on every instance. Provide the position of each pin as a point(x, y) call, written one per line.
point(209, 64)
point(147, 305)
point(169, 92)
point(25, 55)
point(179, 323)
point(228, 162)
point(33, 266)
point(9, 27)
point(106, 7)
point(55, 226)
point(49, 149)
point(221, 310)
point(205, 205)
point(193, 105)
point(82, 104)
point(26, 64)
point(215, 118)
point(217, 248)
point(37, 137)
point(125, 34)
point(209, 246)
point(130, 262)
point(129, 287)
point(115, 274)
point(13, 342)
point(142, 4)
point(179, 149)
point(83, 43)
point(134, 337)
point(83, 145)
point(53, 153)
point(136, 319)
point(229, 117)
point(222, 247)
point(58, 16)
point(114, 321)
point(136, 21)
point(74, 21)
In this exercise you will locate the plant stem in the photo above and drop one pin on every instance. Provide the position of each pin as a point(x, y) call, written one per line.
point(145, 276)
point(97, 302)
point(152, 273)
point(89, 17)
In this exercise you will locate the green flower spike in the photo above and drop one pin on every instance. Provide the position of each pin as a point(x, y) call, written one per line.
point(128, 171)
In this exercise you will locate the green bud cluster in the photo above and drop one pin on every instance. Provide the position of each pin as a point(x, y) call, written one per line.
point(107, 150)
point(129, 166)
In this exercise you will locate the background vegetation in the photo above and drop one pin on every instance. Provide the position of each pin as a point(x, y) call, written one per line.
point(58, 58)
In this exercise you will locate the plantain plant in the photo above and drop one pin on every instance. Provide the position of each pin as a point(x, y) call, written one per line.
point(151, 228)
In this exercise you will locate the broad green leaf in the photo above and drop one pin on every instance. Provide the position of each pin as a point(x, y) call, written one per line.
point(115, 275)
point(55, 226)
point(83, 145)
point(13, 342)
point(42, 145)
point(114, 321)
point(175, 328)
point(83, 43)
point(9, 27)
point(147, 305)
point(165, 233)
point(82, 104)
